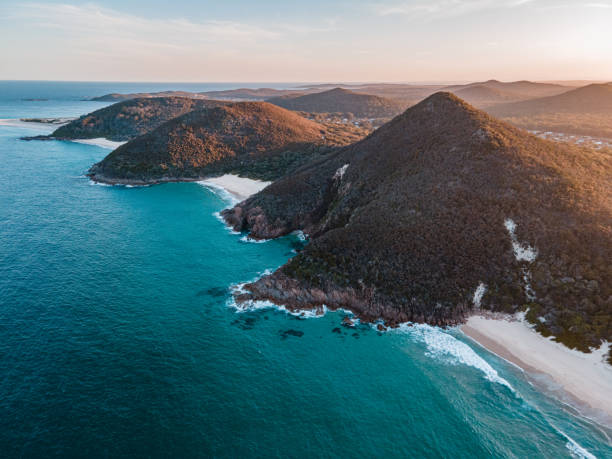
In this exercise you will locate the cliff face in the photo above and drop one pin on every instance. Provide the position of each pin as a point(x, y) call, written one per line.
point(127, 120)
point(253, 138)
point(440, 211)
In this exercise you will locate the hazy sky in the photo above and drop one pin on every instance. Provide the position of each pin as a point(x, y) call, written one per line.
point(306, 40)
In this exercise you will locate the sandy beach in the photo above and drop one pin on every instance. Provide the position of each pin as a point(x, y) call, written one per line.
point(584, 380)
point(100, 142)
point(239, 187)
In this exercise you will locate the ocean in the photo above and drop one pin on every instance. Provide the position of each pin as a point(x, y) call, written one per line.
point(119, 337)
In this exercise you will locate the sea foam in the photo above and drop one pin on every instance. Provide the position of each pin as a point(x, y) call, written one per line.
point(575, 449)
point(253, 305)
point(247, 238)
point(229, 229)
point(443, 346)
point(220, 191)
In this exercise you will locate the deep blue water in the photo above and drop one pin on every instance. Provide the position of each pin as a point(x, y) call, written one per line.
point(118, 339)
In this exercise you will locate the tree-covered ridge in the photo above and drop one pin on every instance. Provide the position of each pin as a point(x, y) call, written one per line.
point(409, 223)
point(255, 139)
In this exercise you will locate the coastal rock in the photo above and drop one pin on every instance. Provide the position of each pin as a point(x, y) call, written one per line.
point(347, 322)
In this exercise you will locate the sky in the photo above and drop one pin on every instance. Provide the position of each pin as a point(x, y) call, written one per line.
point(306, 40)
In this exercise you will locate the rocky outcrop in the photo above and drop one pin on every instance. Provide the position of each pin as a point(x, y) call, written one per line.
point(289, 292)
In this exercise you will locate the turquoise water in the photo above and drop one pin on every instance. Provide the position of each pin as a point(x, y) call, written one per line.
point(118, 339)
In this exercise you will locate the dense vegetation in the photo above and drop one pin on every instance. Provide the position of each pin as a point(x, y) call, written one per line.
point(129, 119)
point(492, 92)
point(582, 111)
point(583, 124)
point(407, 223)
point(255, 139)
point(343, 101)
point(117, 97)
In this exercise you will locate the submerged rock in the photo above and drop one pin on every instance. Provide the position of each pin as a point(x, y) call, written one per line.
point(297, 333)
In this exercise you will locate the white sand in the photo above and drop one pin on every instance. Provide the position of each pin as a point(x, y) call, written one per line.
point(239, 187)
point(587, 378)
point(100, 142)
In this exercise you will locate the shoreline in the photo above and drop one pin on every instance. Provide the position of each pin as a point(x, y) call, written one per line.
point(239, 188)
point(18, 123)
point(98, 142)
point(583, 381)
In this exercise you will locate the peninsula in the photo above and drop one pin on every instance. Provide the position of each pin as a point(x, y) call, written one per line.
point(439, 213)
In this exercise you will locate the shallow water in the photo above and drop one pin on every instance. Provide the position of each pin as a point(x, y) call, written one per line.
point(117, 338)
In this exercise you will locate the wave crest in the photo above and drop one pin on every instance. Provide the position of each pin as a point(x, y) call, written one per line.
point(446, 347)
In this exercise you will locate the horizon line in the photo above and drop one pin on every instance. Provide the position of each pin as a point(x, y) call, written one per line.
point(406, 82)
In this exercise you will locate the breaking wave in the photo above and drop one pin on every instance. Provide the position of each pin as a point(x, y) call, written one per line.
point(229, 229)
point(446, 347)
point(574, 448)
point(220, 191)
point(247, 238)
point(262, 304)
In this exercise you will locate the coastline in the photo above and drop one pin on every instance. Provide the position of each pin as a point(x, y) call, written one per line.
point(239, 188)
point(581, 380)
point(98, 142)
point(18, 123)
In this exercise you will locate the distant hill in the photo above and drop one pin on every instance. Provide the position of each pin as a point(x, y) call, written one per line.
point(129, 119)
point(245, 94)
point(594, 98)
point(405, 94)
point(523, 88)
point(586, 110)
point(482, 95)
point(340, 100)
point(250, 94)
point(441, 211)
point(117, 97)
point(487, 93)
point(256, 139)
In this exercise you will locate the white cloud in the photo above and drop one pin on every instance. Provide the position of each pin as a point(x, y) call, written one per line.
point(80, 39)
point(599, 5)
point(91, 19)
point(444, 7)
point(90, 42)
point(91, 29)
